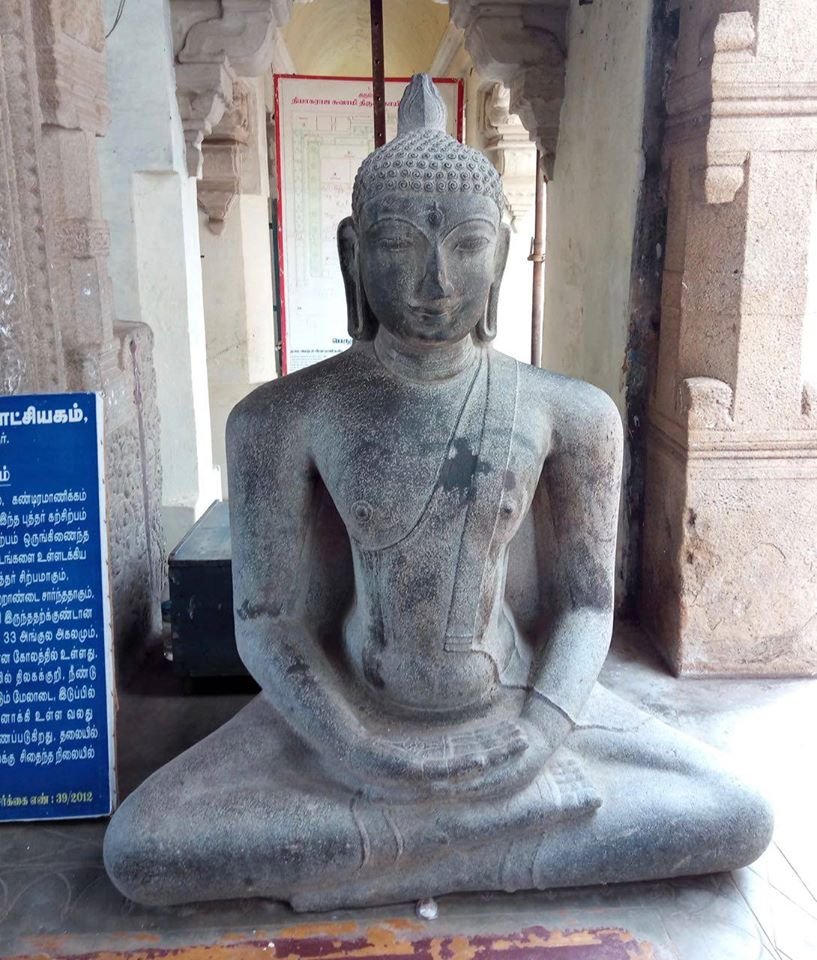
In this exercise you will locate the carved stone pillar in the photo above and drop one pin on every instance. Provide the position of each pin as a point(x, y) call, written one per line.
point(522, 44)
point(74, 111)
point(31, 355)
point(730, 552)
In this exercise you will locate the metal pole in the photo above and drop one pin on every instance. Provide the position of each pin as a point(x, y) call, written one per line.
point(537, 256)
point(378, 78)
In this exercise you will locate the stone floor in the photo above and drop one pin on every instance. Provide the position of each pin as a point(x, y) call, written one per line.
point(56, 901)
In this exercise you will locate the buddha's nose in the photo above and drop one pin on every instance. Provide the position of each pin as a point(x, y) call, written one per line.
point(436, 285)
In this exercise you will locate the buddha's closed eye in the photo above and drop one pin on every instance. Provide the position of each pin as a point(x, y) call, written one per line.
point(472, 244)
point(395, 243)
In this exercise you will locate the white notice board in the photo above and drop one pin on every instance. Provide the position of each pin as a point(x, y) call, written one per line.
point(323, 131)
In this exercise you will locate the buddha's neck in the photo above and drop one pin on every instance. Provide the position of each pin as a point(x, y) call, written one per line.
point(438, 362)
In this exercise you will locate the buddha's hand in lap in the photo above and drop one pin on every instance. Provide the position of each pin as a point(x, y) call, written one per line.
point(542, 735)
point(486, 761)
point(403, 768)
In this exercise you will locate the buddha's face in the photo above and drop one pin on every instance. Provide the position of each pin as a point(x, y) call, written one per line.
point(428, 262)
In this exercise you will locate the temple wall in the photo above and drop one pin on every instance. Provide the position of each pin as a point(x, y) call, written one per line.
point(56, 319)
point(730, 581)
point(592, 202)
point(150, 203)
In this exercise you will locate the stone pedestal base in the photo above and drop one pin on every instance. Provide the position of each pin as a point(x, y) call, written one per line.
point(730, 555)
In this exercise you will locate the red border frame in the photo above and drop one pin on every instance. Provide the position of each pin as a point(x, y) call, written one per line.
point(280, 207)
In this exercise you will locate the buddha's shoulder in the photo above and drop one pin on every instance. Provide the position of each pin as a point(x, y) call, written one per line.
point(280, 405)
point(566, 401)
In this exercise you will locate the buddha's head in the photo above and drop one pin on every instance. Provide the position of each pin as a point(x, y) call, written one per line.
point(424, 250)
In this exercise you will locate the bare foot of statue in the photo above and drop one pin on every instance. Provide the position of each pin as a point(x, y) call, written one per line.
point(423, 536)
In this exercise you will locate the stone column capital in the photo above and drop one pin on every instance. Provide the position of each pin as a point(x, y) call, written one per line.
point(204, 91)
point(242, 32)
point(732, 90)
point(214, 42)
point(222, 153)
point(522, 44)
point(508, 144)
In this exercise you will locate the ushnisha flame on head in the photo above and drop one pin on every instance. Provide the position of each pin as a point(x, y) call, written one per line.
point(423, 159)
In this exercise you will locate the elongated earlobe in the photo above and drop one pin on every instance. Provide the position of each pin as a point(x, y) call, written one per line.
point(486, 328)
point(360, 320)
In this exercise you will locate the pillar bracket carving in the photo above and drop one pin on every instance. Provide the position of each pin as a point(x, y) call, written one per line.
point(204, 91)
point(508, 144)
point(211, 51)
point(522, 44)
point(222, 154)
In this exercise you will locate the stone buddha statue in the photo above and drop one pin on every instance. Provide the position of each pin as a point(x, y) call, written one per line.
point(423, 536)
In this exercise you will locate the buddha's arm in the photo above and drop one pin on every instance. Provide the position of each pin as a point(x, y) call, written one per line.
point(581, 478)
point(272, 491)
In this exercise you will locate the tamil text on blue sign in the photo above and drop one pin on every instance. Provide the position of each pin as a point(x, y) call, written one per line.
point(56, 688)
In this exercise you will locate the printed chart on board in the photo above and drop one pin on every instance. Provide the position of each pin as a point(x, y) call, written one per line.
point(324, 130)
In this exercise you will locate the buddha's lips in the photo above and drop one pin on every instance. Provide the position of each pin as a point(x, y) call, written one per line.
point(435, 308)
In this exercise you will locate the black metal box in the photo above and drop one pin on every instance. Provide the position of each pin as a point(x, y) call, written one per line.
point(201, 599)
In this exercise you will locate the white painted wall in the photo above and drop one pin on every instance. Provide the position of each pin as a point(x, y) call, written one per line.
point(150, 204)
point(592, 199)
point(238, 292)
point(516, 292)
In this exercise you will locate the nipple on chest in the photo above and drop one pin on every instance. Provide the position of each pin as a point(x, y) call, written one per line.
point(362, 512)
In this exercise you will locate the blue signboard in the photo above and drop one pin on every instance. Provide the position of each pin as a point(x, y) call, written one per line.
point(56, 687)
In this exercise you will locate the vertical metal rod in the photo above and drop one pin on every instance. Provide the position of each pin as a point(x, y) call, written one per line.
point(378, 76)
point(537, 256)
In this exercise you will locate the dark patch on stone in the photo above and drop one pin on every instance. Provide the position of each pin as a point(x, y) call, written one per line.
point(251, 611)
point(591, 586)
point(460, 471)
point(646, 278)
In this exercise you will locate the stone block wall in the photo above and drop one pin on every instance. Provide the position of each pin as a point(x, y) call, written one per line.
point(730, 552)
